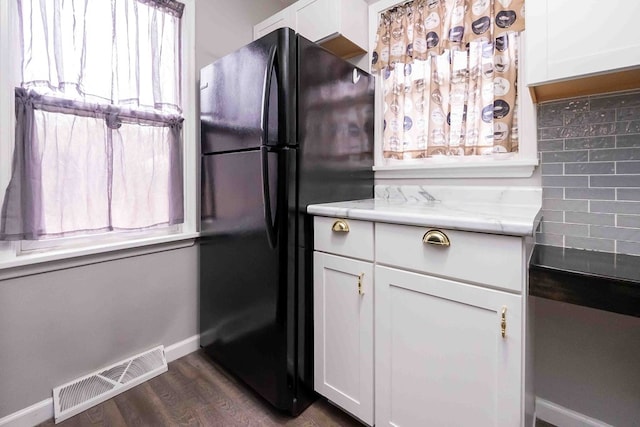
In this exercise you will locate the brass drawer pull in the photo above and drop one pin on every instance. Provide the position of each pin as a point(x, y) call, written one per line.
point(503, 322)
point(436, 237)
point(340, 226)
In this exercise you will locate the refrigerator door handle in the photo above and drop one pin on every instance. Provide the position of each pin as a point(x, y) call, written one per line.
point(266, 94)
point(272, 235)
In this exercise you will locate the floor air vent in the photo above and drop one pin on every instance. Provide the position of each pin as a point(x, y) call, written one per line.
point(80, 394)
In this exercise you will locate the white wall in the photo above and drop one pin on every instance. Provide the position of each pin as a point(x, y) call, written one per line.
point(59, 325)
point(588, 360)
point(223, 26)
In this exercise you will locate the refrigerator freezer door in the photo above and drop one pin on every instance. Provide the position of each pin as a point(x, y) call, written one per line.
point(247, 98)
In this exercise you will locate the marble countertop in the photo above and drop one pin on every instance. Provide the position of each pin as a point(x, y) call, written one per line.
point(499, 211)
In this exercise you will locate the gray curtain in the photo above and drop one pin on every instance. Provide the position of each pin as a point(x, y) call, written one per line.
point(98, 119)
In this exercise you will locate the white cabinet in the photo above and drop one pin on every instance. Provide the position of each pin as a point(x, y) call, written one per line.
point(338, 25)
point(487, 259)
point(284, 18)
point(317, 19)
point(449, 325)
point(441, 358)
point(576, 38)
point(343, 316)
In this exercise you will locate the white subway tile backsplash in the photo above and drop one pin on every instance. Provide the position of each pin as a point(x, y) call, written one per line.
point(631, 248)
point(553, 216)
point(589, 117)
point(628, 168)
point(551, 145)
point(565, 156)
point(554, 193)
point(604, 245)
point(552, 168)
point(614, 181)
point(629, 113)
point(565, 181)
point(565, 205)
point(550, 239)
point(614, 101)
point(614, 154)
point(629, 193)
point(628, 127)
point(590, 193)
point(577, 230)
point(589, 218)
point(594, 168)
point(590, 164)
point(590, 143)
point(616, 233)
point(632, 208)
point(628, 141)
point(632, 221)
point(603, 129)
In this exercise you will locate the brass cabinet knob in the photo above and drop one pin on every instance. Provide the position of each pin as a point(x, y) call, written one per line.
point(436, 237)
point(340, 226)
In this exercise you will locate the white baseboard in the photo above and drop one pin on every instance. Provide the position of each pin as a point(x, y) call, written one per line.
point(563, 417)
point(43, 410)
point(29, 417)
point(182, 348)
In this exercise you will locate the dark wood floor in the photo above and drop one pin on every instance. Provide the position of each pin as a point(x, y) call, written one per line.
point(196, 393)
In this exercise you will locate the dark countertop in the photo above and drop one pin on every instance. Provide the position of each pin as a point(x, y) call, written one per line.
point(599, 280)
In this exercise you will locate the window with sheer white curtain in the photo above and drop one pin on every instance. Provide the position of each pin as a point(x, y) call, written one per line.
point(98, 140)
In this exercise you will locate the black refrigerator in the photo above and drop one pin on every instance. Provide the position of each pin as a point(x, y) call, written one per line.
point(284, 123)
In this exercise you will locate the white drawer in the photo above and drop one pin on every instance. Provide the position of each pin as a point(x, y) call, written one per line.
point(489, 259)
point(355, 243)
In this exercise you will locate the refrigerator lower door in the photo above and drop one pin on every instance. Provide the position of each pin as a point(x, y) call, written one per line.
point(245, 278)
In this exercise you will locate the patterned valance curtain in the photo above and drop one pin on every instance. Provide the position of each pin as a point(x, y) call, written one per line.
point(98, 142)
point(449, 70)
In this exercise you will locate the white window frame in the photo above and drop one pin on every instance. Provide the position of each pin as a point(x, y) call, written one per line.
point(520, 165)
point(21, 253)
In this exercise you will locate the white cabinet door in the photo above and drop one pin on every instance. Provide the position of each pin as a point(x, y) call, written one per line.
point(572, 38)
point(343, 333)
point(317, 19)
point(282, 19)
point(441, 359)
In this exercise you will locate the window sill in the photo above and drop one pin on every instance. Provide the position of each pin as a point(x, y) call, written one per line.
point(42, 262)
point(466, 169)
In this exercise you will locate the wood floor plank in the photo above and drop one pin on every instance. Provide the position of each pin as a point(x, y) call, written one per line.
point(169, 405)
point(107, 415)
point(137, 409)
point(185, 389)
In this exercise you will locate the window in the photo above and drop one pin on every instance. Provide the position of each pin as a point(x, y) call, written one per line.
point(449, 99)
point(99, 140)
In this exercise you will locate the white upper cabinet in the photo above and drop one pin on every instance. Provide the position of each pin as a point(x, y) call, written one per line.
point(338, 25)
point(579, 38)
point(317, 19)
point(282, 19)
